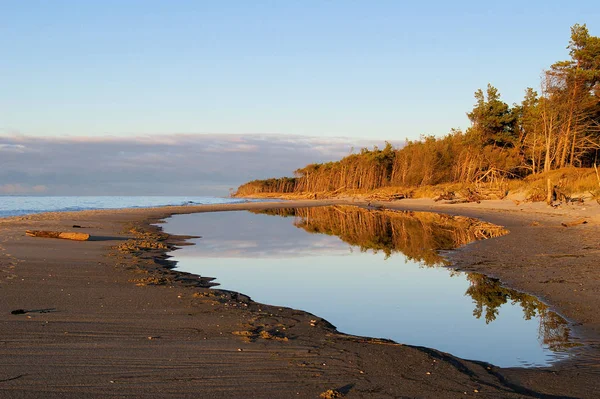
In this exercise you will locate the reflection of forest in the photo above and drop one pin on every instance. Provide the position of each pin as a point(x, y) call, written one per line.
point(420, 236)
point(489, 295)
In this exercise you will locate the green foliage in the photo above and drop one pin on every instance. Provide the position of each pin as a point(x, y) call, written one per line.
point(489, 295)
point(585, 53)
point(571, 104)
point(559, 127)
point(493, 120)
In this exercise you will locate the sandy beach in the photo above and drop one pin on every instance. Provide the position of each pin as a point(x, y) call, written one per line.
point(109, 318)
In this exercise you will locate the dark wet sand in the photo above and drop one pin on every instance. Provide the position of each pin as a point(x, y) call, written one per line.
point(98, 327)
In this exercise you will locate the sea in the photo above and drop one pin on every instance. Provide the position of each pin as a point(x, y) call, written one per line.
point(25, 205)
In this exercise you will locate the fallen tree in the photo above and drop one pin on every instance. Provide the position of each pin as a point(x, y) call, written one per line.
point(58, 234)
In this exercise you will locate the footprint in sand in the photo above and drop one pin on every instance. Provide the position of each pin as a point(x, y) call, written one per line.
point(7, 269)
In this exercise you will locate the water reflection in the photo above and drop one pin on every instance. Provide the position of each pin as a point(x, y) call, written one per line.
point(368, 292)
point(420, 236)
point(489, 295)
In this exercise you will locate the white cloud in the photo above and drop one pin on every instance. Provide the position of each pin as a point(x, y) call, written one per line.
point(176, 164)
point(12, 147)
point(22, 189)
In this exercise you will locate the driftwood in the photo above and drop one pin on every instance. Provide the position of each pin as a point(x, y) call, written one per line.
point(468, 195)
point(58, 234)
point(388, 197)
point(457, 201)
point(398, 196)
point(473, 196)
point(446, 195)
point(574, 223)
point(339, 190)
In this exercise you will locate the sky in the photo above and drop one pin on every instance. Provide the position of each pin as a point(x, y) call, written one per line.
point(364, 71)
point(178, 164)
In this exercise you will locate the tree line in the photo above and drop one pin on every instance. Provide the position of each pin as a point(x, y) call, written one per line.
point(555, 127)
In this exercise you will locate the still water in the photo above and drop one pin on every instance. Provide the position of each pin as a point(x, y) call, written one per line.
point(376, 274)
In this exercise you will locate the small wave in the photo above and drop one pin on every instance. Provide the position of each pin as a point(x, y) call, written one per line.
point(25, 205)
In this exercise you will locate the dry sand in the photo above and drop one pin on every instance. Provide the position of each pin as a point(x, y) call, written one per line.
point(102, 322)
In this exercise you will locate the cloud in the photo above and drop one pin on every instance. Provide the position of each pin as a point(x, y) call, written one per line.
point(12, 147)
point(241, 148)
point(18, 188)
point(280, 238)
point(176, 164)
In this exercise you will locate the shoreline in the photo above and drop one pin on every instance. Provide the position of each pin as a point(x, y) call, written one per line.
point(252, 322)
point(539, 246)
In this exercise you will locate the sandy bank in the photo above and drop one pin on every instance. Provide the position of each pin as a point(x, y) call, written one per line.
point(107, 323)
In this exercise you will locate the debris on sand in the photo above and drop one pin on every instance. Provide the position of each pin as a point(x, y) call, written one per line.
point(574, 223)
point(58, 234)
point(331, 394)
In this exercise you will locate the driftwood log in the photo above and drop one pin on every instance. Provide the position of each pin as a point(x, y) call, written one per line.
point(387, 197)
point(58, 234)
point(574, 223)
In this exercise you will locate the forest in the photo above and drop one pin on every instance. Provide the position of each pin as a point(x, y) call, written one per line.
point(554, 128)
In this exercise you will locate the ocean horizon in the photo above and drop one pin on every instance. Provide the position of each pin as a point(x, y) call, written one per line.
point(18, 205)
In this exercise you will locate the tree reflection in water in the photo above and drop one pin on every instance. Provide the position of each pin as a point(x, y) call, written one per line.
point(489, 295)
point(420, 236)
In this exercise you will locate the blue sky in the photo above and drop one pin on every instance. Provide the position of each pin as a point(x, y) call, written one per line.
point(358, 69)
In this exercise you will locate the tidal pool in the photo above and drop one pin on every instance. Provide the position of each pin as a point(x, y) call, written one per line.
point(376, 274)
